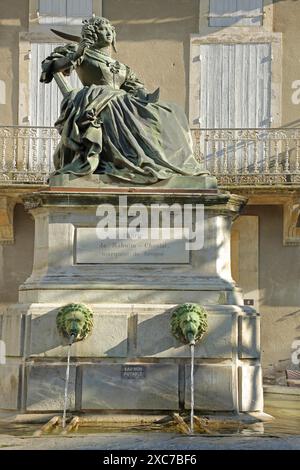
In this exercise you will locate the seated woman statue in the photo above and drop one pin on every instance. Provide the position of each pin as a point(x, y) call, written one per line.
point(112, 126)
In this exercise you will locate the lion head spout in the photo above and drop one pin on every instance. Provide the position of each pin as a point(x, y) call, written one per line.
point(189, 323)
point(75, 320)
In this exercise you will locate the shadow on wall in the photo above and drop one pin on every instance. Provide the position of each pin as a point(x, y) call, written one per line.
point(159, 20)
point(16, 260)
point(147, 337)
point(279, 269)
point(279, 273)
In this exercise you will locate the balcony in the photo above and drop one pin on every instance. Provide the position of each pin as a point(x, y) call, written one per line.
point(237, 157)
point(26, 154)
point(250, 157)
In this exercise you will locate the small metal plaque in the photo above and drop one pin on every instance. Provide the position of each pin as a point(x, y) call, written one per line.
point(133, 372)
point(248, 301)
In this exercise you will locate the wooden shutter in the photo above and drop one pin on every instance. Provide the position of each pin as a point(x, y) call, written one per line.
point(78, 9)
point(52, 11)
point(235, 85)
point(64, 11)
point(235, 93)
point(235, 12)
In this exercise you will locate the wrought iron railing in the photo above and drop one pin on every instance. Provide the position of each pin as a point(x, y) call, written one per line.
point(26, 154)
point(235, 156)
point(250, 156)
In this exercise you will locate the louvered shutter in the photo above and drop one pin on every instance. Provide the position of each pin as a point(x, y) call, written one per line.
point(235, 12)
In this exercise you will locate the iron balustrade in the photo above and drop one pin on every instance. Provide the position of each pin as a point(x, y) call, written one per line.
point(235, 156)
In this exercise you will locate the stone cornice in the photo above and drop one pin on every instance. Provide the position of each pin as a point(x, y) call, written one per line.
point(65, 198)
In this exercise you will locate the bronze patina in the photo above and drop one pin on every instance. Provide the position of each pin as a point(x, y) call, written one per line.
point(113, 126)
point(75, 320)
point(189, 323)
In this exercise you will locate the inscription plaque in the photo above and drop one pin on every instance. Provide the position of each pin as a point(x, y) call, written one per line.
point(92, 250)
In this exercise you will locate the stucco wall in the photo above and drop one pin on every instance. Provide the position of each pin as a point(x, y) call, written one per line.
point(16, 260)
point(154, 39)
point(279, 293)
point(13, 19)
point(286, 20)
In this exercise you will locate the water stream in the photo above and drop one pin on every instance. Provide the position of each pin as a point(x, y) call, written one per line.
point(192, 346)
point(67, 382)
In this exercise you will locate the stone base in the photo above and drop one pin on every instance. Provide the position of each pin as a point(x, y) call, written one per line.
point(131, 361)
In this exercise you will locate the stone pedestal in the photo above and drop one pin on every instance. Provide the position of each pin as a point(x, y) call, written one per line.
point(131, 360)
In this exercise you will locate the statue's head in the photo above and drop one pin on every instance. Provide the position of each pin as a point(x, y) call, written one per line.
point(189, 322)
point(99, 31)
point(75, 319)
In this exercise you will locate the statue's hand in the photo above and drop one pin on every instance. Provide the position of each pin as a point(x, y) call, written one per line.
point(60, 60)
point(83, 45)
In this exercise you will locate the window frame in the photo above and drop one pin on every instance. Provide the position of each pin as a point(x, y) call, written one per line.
point(35, 26)
point(63, 19)
point(205, 28)
point(228, 37)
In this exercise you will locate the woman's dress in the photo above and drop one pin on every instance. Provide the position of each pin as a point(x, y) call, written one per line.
point(113, 126)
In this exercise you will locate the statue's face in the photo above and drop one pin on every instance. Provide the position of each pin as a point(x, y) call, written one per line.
point(74, 322)
point(105, 33)
point(189, 322)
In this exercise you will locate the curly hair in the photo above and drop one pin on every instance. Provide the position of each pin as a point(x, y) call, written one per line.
point(91, 26)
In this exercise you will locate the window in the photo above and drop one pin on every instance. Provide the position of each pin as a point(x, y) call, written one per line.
point(64, 11)
point(235, 93)
point(235, 86)
point(235, 13)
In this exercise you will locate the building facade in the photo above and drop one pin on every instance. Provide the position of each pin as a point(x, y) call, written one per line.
point(233, 65)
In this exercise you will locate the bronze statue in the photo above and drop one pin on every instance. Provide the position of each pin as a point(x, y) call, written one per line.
point(113, 126)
